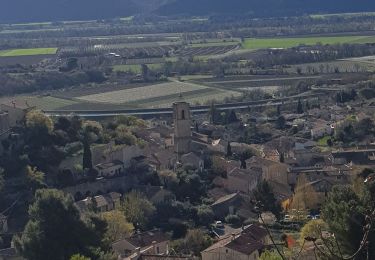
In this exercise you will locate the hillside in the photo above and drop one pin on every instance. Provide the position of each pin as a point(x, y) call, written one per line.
point(264, 8)
point(53, 10)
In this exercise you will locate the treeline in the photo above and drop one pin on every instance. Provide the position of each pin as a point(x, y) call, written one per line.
point(318, 53)
point(28, 83)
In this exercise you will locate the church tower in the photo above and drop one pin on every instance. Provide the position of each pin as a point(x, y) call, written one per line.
point(182, 127)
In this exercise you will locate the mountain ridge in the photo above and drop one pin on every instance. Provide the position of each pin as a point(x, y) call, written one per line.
point(14, 11)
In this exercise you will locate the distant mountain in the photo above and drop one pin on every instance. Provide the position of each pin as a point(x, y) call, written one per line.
point(264, 8)
point(54, 10)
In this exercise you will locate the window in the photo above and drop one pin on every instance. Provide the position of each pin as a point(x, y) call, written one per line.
point(183, 114)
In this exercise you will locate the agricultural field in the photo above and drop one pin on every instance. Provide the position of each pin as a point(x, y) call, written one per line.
point(142, 93)
point(263, 43)
point(363, 64)
point(207, 50)
point(246, 83)
point(40, 102)
point(27, 52)
point(160, 95)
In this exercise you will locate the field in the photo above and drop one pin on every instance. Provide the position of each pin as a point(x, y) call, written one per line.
point(27, 52)
point(40, 102)
point(263, 43)
point(160, 95)
point(207, 50)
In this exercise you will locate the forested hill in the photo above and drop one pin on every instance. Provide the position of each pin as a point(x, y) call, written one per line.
point(265, 8)
point(54, 10)
point(14, 11)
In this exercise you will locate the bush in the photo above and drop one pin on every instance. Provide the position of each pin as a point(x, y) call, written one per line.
point(233, 219)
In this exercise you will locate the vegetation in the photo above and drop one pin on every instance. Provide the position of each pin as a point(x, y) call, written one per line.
point(293, 42)
point(54, 221)
point(24, 52)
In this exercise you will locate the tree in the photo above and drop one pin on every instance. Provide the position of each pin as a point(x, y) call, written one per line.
point(280, 122)
point(117, 225)
point(313, 228)
point(229, 150)
point(194, 242)
point(145, 72)
point(87, 156)
point(79, 257)
point(305, 196)
point(1, 179)
point(55, 229)
point(38, 122)
point(299, 107)
point(138, 210)
point(270, 255)
point(34, 178)
point(205, 215)
point(266, 197)
point(343, 213)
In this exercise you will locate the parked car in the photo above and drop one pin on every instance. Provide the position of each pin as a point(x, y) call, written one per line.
point(219, 224)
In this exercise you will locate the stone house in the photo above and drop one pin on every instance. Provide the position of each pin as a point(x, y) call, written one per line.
point(271, 170)
point(150, 242)
point(100, 203)
point(226, 205)
point(246, 245)
point(110, 169)
point(192, 160)
point(242, 180)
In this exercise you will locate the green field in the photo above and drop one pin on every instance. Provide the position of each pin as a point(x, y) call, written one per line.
point(262, 43)
point(24, 52)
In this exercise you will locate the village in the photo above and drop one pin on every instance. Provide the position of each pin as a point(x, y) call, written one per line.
point(225, 184)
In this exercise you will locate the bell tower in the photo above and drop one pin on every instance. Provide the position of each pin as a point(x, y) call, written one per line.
point(182, 127)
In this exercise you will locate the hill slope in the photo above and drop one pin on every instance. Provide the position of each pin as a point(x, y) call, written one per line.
point(266, 7)
point(53, 10)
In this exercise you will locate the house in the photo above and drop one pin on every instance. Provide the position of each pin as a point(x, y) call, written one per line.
point(110, 169)
point(246, 245)
point(271, 170)
point(192, 160)
point(10, 254)
point(150, 242)
point(100, 203)
point(226, 205)
point(164, 159)
point(321, 128)
point(242, 180)
point(154, 122)
point(219, 146)
point(356, 157)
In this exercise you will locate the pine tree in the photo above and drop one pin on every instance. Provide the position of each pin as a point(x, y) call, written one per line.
point(299, 107)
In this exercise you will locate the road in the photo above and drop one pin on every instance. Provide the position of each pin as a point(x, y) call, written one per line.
point(168, 111)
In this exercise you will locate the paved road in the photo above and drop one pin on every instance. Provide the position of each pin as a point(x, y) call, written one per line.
point(168, 111)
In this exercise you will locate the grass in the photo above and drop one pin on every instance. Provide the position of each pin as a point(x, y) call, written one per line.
point(24, 52)
point(323, 141)
point(262, 43)
point(135, 68)
point(40, 102)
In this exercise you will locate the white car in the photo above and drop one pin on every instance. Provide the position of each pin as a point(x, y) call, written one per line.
point(219, 224)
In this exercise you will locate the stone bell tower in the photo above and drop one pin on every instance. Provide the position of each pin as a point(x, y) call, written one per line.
point(182, 127)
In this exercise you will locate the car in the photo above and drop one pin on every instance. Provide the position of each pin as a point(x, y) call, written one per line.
point(316, 217)
point(219, 224)
point(309, 217)
point(287, 218)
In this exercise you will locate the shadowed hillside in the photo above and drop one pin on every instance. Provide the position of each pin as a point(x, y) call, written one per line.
point(54, 10)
